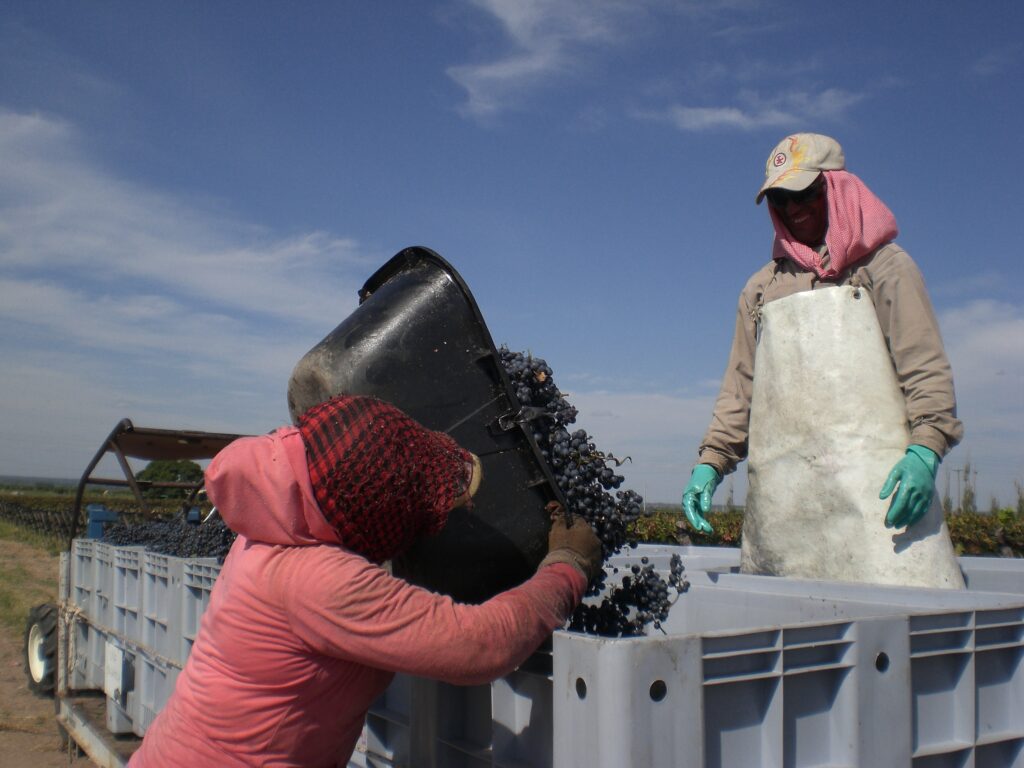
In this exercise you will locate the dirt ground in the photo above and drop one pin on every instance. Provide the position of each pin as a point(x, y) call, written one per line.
point(28, 731)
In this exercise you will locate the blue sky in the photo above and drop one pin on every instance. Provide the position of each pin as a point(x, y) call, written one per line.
point(191, 193)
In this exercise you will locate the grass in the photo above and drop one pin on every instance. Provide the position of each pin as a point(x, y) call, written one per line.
point(19, 588)
point(10, 532)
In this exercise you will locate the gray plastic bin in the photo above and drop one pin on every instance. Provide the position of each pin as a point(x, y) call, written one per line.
point(752, 671)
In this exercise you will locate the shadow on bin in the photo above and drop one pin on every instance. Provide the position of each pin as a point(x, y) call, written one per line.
point(418, 340)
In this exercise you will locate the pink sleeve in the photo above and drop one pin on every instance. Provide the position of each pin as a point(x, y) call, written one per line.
point(344, 606)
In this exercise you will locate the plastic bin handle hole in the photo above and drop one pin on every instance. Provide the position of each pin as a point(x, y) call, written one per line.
point(658, 690)
point(882, 662)
point(581, 688)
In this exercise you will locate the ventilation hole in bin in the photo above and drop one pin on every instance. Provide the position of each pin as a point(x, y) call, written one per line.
point(658, 690)
point(581, 688)
point(882, 662)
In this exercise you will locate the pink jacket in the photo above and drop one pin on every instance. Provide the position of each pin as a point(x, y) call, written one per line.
point(302, 635)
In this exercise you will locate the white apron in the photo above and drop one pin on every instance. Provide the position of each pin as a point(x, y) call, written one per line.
point(827, 423)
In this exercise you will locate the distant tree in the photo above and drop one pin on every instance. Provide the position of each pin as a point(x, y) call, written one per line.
point(947, 504)
point(1020, 498)
point(170, 471)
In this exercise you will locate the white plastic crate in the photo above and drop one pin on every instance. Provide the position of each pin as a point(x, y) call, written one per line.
point(752, 670)
point(513, 722)
point(154, 683)
point(88, 647)
point(982, 574)
point(198, 577)
point(119, 686)
point(102, 611)
point(934, 689)
point(994, 574)
point(386, 734)
point(162, 602)
point(425, 722)
point(694, 558)
point(83, 574)
point(128, 592)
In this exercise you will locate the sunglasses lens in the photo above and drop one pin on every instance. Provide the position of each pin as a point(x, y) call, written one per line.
point(780, 198)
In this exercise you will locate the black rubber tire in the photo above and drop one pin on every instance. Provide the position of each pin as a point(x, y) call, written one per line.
point(40, 649)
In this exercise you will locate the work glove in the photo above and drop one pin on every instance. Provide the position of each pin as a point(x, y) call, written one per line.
point(697, 496)
point(573, 541)
point(915, 475)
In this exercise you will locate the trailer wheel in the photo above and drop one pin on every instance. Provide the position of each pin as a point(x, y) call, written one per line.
point(41, 649)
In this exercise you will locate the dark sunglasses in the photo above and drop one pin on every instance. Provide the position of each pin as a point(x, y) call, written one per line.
point(780, 198)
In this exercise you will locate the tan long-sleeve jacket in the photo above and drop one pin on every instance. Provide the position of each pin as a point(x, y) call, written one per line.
point(908, 324)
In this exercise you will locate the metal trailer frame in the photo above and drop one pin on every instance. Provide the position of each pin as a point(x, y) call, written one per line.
point(125, 441)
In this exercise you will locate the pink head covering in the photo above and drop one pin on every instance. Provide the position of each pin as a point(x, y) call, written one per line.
point(858, 224)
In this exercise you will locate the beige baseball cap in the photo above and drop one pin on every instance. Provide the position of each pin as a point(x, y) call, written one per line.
point(797, 160)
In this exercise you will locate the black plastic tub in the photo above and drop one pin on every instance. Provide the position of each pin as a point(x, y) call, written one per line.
point(418, 340)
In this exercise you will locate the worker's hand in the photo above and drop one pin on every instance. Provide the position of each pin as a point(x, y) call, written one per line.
point(697, 496)
point(915, 475)
point(573, 542)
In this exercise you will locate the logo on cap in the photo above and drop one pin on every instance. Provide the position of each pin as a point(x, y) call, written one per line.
point(779, 159)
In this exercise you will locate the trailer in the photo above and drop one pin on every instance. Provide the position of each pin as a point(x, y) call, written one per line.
point(98, 648)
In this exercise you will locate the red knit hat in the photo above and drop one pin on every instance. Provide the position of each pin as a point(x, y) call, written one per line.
point(381, 479)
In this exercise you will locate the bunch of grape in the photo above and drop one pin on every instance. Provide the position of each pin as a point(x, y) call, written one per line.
point(643, 589)
point(586, 477)
point(176, 537)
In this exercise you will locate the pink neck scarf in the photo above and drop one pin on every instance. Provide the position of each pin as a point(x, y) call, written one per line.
point(858, 223)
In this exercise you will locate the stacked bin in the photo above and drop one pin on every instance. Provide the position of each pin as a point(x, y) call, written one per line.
point(128, 593)
point(102, 612)
point(87, 636)
point(751, 670)
point(83, 575)
point(198, 578)
point(162, 604)
point(906, 676)
point(155, 683)
point(137, 614)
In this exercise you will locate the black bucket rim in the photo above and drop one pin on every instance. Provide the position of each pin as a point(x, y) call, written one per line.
point(415, 254)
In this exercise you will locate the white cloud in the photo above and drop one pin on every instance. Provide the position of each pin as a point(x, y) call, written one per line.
point(752, 111)
point(545, 38)
point(985, 343)
point(59, 211)
point(548, 39)
point(117, 300)
point(996, 62)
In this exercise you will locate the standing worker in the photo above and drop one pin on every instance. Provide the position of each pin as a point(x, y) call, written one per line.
point(837, 391)
point(305, 627)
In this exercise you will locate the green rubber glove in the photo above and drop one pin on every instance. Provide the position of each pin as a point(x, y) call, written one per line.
point(915, 475)
point(697, 496)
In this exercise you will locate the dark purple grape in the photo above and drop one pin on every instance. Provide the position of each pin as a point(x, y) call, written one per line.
point(585, 476)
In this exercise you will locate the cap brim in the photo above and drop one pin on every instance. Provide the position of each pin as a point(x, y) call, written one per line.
point(793, 180)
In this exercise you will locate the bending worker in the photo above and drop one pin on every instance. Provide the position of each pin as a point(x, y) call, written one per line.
point(305, 628)
point(837, 391)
